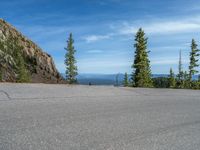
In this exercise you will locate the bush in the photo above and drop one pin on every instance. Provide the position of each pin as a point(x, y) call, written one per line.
point(195, 85)
point(161, 82)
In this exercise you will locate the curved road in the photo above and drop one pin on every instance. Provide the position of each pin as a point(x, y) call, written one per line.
point(62, 117)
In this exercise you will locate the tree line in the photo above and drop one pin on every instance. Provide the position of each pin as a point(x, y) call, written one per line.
point(141, 75)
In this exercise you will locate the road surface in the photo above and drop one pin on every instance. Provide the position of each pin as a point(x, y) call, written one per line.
point(63, 117)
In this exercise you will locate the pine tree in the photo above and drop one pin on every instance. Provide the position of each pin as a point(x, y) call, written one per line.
point(180, 83)
point(141, 65)
point(180, 67)
point(22, 73)
point(193, 60)
point(186, 80)
point(71, 68)
point(172, 81)
point(125, 80)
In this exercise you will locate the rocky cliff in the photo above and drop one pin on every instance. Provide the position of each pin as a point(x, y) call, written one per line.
point(39, 65)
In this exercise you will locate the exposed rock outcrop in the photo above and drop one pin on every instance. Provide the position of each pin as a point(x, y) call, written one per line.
point(39, 64)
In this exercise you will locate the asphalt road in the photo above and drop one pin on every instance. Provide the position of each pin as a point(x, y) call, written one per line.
point(62, 117)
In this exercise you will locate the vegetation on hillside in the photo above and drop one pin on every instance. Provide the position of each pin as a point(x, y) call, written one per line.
point(12, 60)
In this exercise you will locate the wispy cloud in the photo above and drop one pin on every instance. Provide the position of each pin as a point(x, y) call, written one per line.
point(169, 48)
point(162, 27)
point(151, 27)
point(168, 61)
point(94, 38)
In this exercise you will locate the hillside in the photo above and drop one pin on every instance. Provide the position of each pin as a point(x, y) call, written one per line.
point(22, 60)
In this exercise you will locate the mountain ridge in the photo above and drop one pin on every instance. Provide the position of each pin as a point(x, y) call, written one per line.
point(110, 79)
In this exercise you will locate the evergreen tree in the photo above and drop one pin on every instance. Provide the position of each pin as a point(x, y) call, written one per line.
point(141, 65)
point(71, 68)
point(22, 72)
point(172, 81)
point(180, 83)
point(186, 80)
point(125, 80)
point(193, 60)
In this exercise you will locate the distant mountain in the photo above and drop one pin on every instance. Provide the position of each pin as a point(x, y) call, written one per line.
point(101, 79)
point(108, 79)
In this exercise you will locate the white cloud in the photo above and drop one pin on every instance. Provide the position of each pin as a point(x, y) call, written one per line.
point(167, 48)
point(168, 61)
point(94, 38)
point(153, 27)
point(163, 27)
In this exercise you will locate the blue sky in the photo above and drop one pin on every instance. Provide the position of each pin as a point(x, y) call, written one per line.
point(104, 30)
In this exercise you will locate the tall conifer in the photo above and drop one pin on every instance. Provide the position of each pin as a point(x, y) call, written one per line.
point(180, 74)
point(193, 60)
point(126, 80)
point(70, 61)
point(172, 81)
point(142, 72)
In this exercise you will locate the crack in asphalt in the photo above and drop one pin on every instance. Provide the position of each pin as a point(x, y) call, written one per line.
point(7, 95)
point(69, 97)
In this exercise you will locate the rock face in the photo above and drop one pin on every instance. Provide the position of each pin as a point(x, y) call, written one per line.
point(40, 64)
